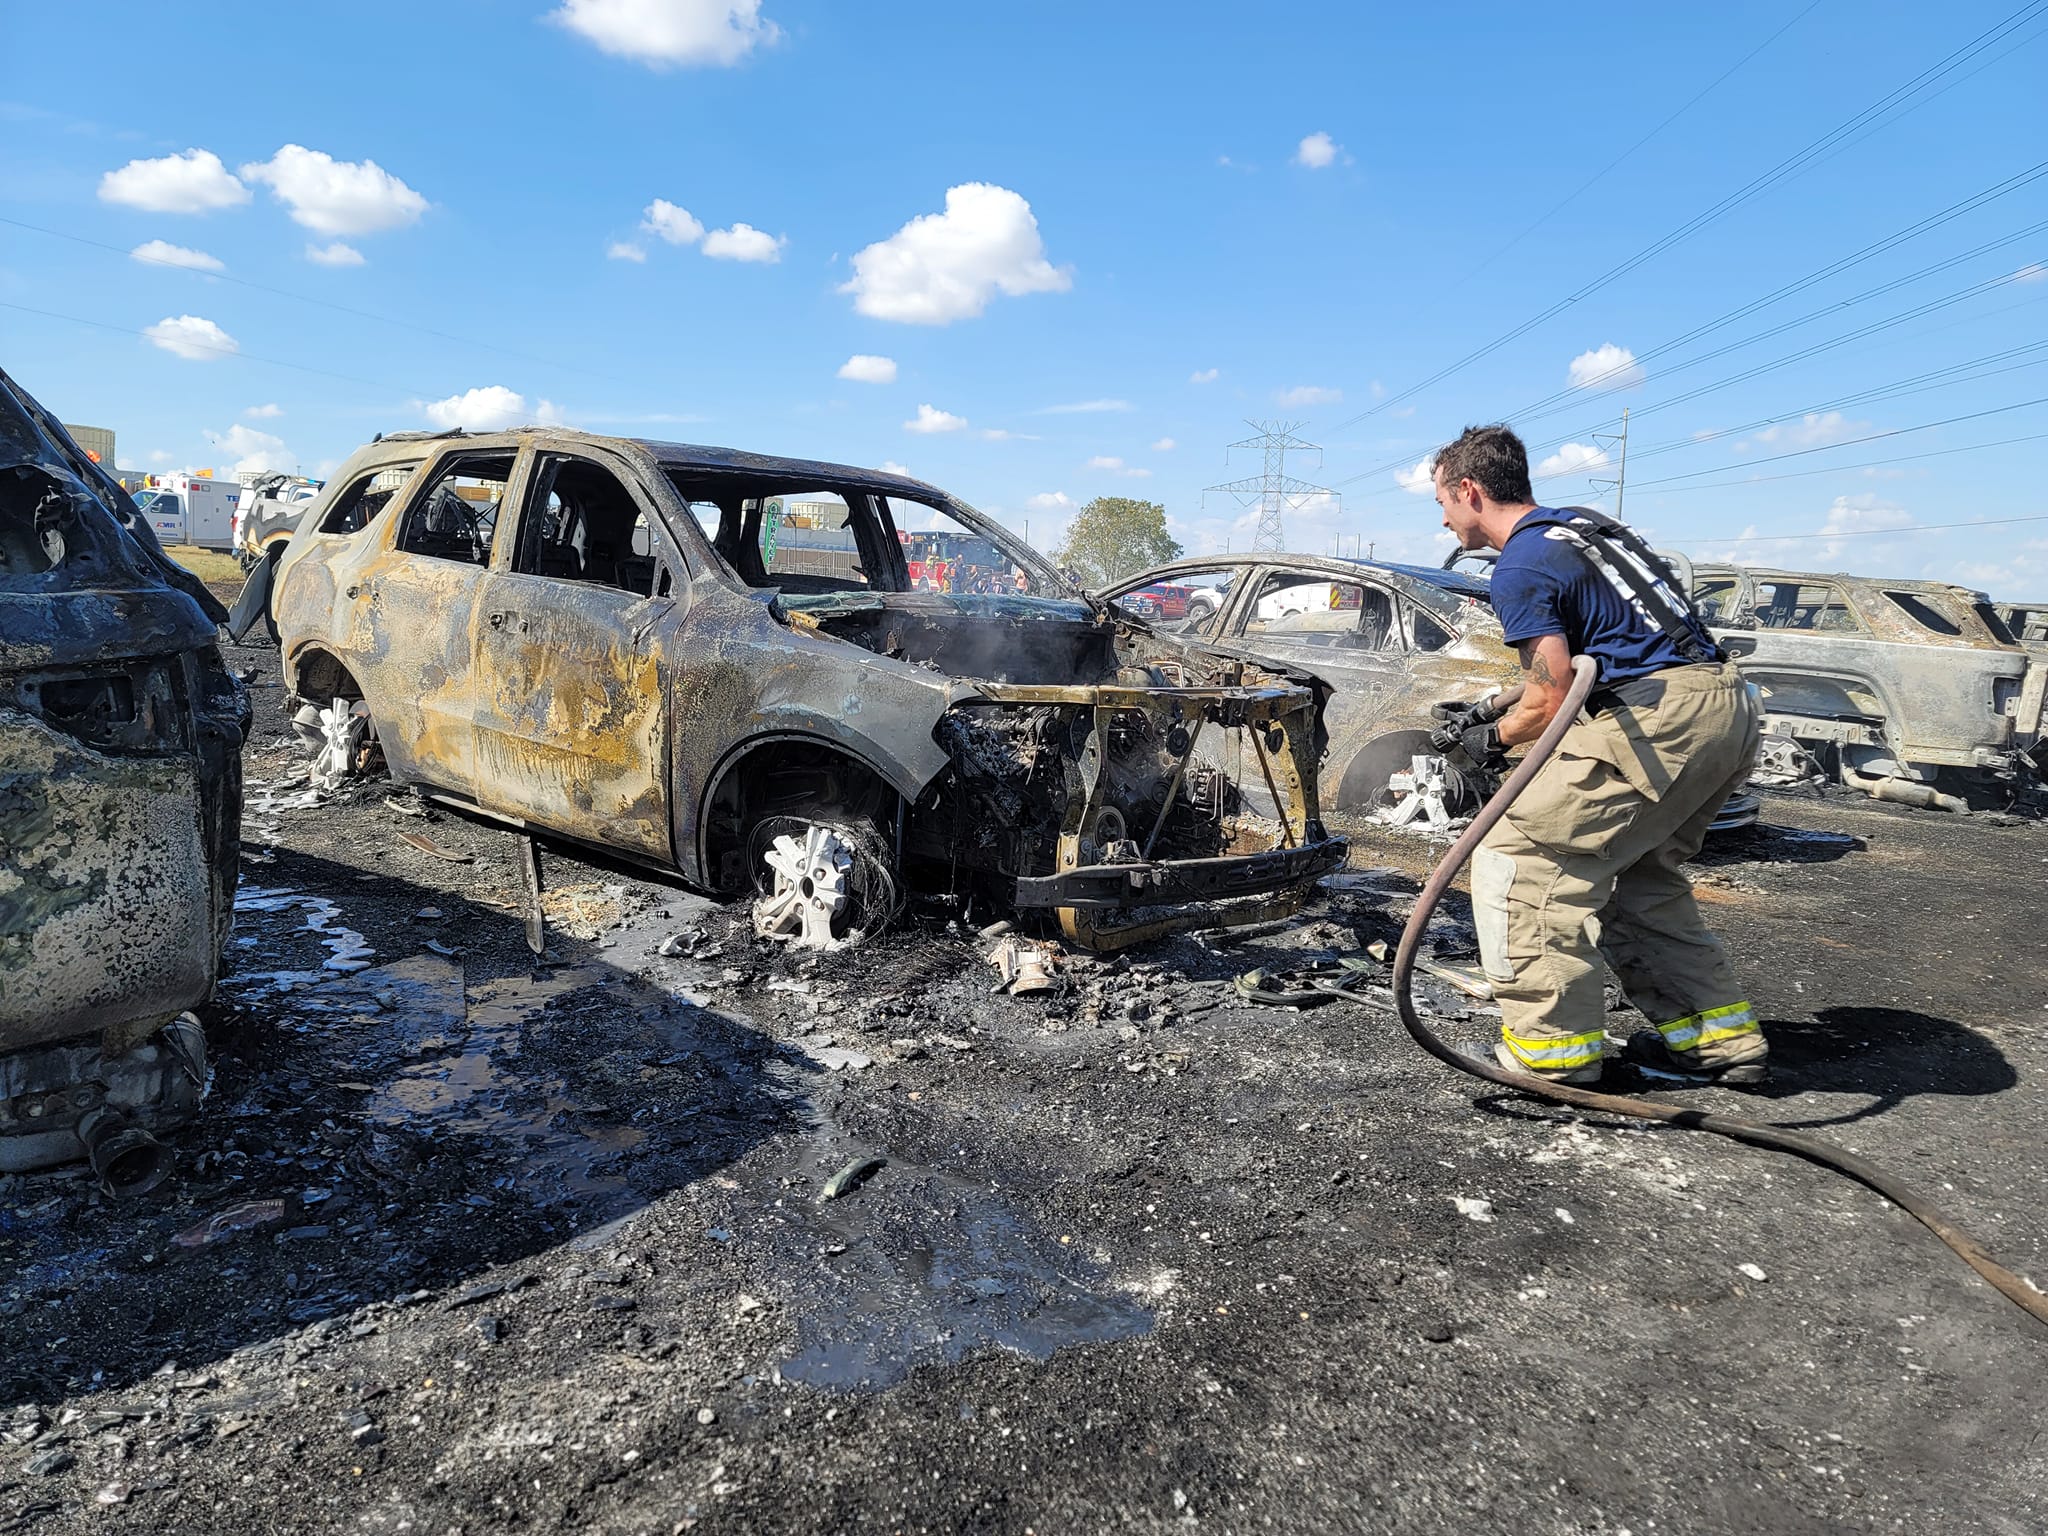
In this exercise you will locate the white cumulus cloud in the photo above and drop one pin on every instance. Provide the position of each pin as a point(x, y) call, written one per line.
point(1308, 394)
point(336, 197)
point(264, 412)
point(1164, 445)
point(255, 452)
point(1573, 458)
point(1605, 367)
point(1861, 516)
point(1110, 464)
point(486, 409)
point(1050, 501)
point(1205, 375)
point(161, 253)
point(1084, 407)
point(866, 368)
point(192, 182)
point(743, 242)
point(1421, 480)
point(2033, 272)
point(191, 337)
point(891, 467)
point(942, 267)
point(675, 225)
point(625, 250)
point(1813, 430)
point(336, 253)
point(665, 33)
point(931, 419)
point(1317, 151)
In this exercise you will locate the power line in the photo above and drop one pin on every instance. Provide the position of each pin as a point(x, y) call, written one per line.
point(1602, 174)
point(1847, 442)
point(2009, 185)
point(1746, 193)
point(1895, 390)
point(274, 362)
point(2025, 178)
point(1864, 533)
point(1804, 353)
point(1835, 469)
point(307, 298)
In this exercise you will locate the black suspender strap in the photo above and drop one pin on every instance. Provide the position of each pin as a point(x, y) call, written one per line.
point(1618, 552)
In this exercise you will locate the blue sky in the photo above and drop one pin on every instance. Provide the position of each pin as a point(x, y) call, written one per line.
point(1090, 241)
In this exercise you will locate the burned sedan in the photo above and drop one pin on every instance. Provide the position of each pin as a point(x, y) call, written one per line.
point(715, 662)
point(1390, 640)
point(120, 805)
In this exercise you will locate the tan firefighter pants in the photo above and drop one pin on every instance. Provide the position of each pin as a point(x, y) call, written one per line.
point(1588, 861)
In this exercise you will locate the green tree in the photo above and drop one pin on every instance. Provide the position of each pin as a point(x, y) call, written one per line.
point(1115, 536)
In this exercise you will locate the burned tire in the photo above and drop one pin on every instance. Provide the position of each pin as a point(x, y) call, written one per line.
point(821, 879)
point(1363, 789)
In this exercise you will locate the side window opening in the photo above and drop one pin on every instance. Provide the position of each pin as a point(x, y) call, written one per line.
point(1190, 604)
point(456, 517)
point(1995, 622)
point(1427, 633)
point(582, 524)
point(1923, 612)
point(1715, 600)
point(807, 541)
point(364, 497)
point(1306, 609)
point(1805, 605)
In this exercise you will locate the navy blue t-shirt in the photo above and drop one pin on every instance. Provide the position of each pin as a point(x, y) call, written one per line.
point(1545, 585)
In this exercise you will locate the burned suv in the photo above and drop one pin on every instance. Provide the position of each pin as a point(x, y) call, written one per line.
point(716, 662)
point(120, 808)
point(1890, 684)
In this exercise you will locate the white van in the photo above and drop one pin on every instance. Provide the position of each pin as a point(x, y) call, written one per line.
point(190, 509)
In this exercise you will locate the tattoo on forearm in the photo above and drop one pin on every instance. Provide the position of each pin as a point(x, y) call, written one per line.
point(1536, 664)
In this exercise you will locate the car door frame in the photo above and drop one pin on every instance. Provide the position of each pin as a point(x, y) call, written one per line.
point(409, 638)
point(571, 721)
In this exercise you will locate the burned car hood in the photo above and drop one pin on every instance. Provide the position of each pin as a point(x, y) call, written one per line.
point(71, 575)
point(1002, 638)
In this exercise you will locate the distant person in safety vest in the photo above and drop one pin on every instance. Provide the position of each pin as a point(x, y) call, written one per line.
point(1588, 863)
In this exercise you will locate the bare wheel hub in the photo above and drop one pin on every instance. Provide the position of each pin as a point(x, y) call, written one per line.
point(811, 888)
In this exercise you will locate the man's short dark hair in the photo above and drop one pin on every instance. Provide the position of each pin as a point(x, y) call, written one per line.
point(1493, 459)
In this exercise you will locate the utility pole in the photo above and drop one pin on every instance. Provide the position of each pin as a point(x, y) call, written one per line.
point(1273, 490)
point(1620, 481)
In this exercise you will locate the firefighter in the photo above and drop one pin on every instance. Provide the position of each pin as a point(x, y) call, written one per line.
point(1589, 860)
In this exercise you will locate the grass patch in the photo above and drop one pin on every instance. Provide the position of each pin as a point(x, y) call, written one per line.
point(209, 565)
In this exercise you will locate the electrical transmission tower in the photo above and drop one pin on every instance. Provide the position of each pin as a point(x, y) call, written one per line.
point(1273, 490)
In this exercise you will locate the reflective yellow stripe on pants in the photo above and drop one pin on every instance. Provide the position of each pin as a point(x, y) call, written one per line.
point(1556, 1053)
point(1716, 1024)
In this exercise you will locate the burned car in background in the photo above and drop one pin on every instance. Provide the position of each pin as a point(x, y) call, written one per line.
point(120, 807)
point(1389, 640)
point(2027, 623)
point(714, 662)
point(1904, 689)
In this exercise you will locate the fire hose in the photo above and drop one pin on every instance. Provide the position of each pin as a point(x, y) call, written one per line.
point(1814, 1148)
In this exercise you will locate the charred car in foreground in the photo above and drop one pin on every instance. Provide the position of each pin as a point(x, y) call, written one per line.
point(1390, 640)
point(120, 807)
point(713, 662)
